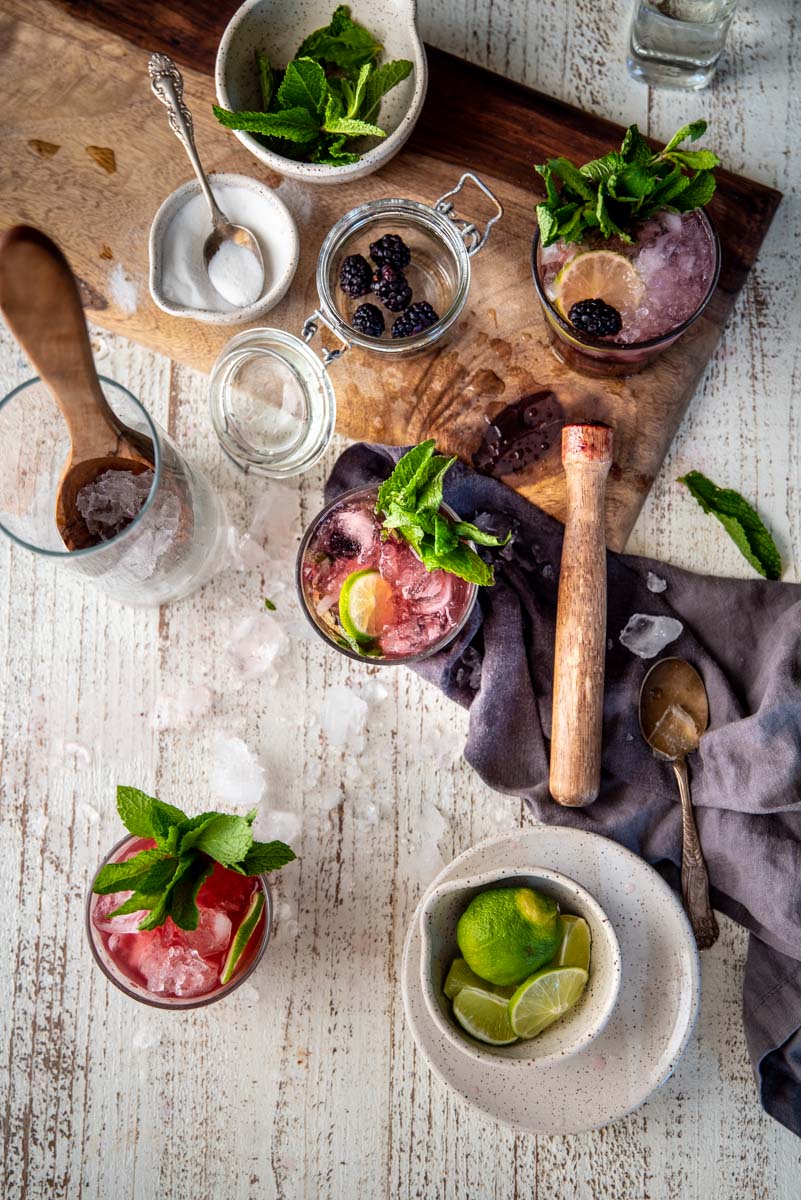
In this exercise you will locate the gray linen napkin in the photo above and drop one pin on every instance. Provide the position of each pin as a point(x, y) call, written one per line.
point(743, 637)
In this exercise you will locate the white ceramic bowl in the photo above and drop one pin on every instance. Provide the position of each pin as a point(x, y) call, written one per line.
point(440, 914)
point(280, 251)
point(277, 27)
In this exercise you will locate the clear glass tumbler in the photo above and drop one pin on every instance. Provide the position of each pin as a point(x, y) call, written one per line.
point(172, 547)
point(678, 43)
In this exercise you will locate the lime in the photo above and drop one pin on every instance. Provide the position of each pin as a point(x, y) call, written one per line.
point(242, 936)
point(506, 933)
point(365, 604)
point(460, 976)
point(600, 275)
point(484, 1016)
point(544, 998)
point(575, 948)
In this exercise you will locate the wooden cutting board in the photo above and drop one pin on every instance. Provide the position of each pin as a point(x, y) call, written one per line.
point(88, 157)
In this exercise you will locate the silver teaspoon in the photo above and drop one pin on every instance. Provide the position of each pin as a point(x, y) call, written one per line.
point(167, 84)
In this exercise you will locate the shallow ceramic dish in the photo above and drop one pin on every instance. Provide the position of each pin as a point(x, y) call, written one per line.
point(280, 252)
point(441, 911)
point(652, 1021)
point(277, 27)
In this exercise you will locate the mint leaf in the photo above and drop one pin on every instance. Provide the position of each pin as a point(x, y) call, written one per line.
point(406, 470)
point(696, 160)
point(267, 856)
point(343, 42)
point(445, 539)
point(692, 131)
point(183, 899)
point(601, 168)
point(461, 561)
point(740, 520)
point(430, 494)
point(125, 876)
point(698, 193)
point(136, 811)
point(163, 818)
point(473, 534)
point(572, 177)
point(293, 124)
point(549, 225)
point(334, 153)
point(634, 148)
point(159, 876)
point(379, 82)
point(351, 128)
point(269, 605)
point(354, 94)
point(304, 86)
point(224, 838)
point(135, 903)
point(267, 79)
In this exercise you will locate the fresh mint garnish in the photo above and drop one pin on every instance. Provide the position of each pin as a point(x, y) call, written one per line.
point(330, 93)
point(165, 881)
point(613, 194)
point(269, 604)
point(742, 523)
point(410, 502)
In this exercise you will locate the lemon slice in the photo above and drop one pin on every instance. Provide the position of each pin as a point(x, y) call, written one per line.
point(575, 948)
point(600, 275)
point(365, 604)
point(544, 998)
point(484, 1016)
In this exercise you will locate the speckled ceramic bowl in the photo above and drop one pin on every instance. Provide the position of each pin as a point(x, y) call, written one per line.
point(441, 911)
point(277, 27)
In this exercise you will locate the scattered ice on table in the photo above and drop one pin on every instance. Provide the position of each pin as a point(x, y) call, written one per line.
point(502, 816)
point(329, 798)
point(236, 776)
point(257, 644)
point(145, 1038)
point(109, 503)
point(104, 905)
point(213, 932)
point(183, 708)
point(77, 750)
point(89, 813)
point(646, 636)
point(236, 273)
point(278, 825)
point(342, 713)
point(123, 291)
point(424, 857)
point(655, 583)
point(367, 811)
point(177, 970)
point(275, 523)
point(443, 743)
point(247, 993)
point(374, 692)
point(468, 673)
point(286, 920)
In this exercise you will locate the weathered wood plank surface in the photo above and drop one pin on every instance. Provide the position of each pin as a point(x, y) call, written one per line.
point(308, 1085)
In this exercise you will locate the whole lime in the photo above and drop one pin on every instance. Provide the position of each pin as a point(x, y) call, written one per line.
point(506, 934)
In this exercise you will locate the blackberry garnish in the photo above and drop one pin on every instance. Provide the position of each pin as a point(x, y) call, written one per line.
point(595, 317)
point(342, 546)
point(417, 317)
point(392, 250)
point(355, 276)
point(392, 289)
point(369, 320)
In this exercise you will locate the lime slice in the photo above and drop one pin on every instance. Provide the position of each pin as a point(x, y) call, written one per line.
point(365, 604)
point(600, 275)
point(506, 933)
point(460, 976)
point(242, 936)
point(484, 1016)
point(544, 998)
point(575, 948)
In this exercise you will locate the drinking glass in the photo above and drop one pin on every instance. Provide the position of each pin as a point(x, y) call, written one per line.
point(678, 43)
point(172, 547)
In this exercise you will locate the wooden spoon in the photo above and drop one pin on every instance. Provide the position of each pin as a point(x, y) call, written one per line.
point(40, 301)
point(580, 651)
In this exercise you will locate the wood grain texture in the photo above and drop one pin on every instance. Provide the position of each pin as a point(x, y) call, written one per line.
point(499, 351)
point(313, 1089)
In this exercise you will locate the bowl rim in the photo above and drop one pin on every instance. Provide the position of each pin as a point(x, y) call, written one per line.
point(209, 316)
point(321, 172)
point(485, 878)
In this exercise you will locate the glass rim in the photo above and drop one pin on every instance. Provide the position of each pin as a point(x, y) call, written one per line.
point(613, 349)
point(358, 218)
point(149, 998)
point(386, 660)
point(118, 538)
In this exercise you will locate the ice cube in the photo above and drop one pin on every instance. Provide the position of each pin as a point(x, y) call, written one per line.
point(277, 825)
point(646, 635)
point(329, 798)
point(286, 920)
point(236, 776)
point(276, 521)
point(104, 905)
point(163, 520)
point(77, 750)
point(424, 857)
point(176, 970)
point(468, 673)
point(258, 642)
point(109, 503)
point(183, 708)
point(342, 714)
point(213, 932)
point(145, 1038)
point(655, 583)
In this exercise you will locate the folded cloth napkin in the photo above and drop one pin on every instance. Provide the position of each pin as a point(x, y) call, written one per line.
point(745, 639)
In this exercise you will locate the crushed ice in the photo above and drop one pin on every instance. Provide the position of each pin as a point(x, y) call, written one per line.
point(646, 636)
point(109, 503)
point(237, 776)
point(655, 583)
point(342, 713)
point(277, 825)
point(424, 859)
point(183, 708)
point(468, 673)
point(257, 644)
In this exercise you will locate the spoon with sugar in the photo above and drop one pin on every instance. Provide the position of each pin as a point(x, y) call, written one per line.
point(231, 254)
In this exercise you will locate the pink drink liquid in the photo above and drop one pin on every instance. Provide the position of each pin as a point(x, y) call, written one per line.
point(427, 605)
point(173, 963)
point(674, 254)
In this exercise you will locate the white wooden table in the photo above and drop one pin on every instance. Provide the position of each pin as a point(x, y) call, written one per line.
point(307, 1083)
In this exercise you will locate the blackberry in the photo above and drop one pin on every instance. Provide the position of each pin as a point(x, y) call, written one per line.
point(355, 275)
point(391, 288)
point(417, 317)
point(391, 249)
point(595, 317)
point(340, 545)
point(368, 319)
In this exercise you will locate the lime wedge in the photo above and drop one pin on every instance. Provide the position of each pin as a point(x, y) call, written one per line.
point(461, 976)
point(575, 948)
point(600, 275)
point(242, 936)
point(544, 998)
point(365, 604)
point(484, 1016)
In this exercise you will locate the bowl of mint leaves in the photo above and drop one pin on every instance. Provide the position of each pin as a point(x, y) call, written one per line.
point(319, 96)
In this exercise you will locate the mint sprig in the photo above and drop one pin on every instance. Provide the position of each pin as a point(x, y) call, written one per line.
point(410, 502)
point(613, 194)
point(328, 94)
point(165, 881)
point(742, 523)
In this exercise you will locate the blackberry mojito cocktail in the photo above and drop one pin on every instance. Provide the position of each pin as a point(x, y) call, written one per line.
point(390, 574)
point(625, 259)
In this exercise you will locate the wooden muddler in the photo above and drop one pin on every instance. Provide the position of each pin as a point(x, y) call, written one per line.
point(578, 679)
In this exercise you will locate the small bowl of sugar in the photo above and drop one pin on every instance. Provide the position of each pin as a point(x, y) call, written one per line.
point(228, 291)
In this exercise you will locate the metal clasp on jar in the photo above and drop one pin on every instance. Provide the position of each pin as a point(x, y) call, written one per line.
point(471, 235)
point(310, 328)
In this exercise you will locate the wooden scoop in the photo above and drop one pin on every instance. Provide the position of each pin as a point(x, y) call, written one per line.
point(578, 682)
point(40, 302)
